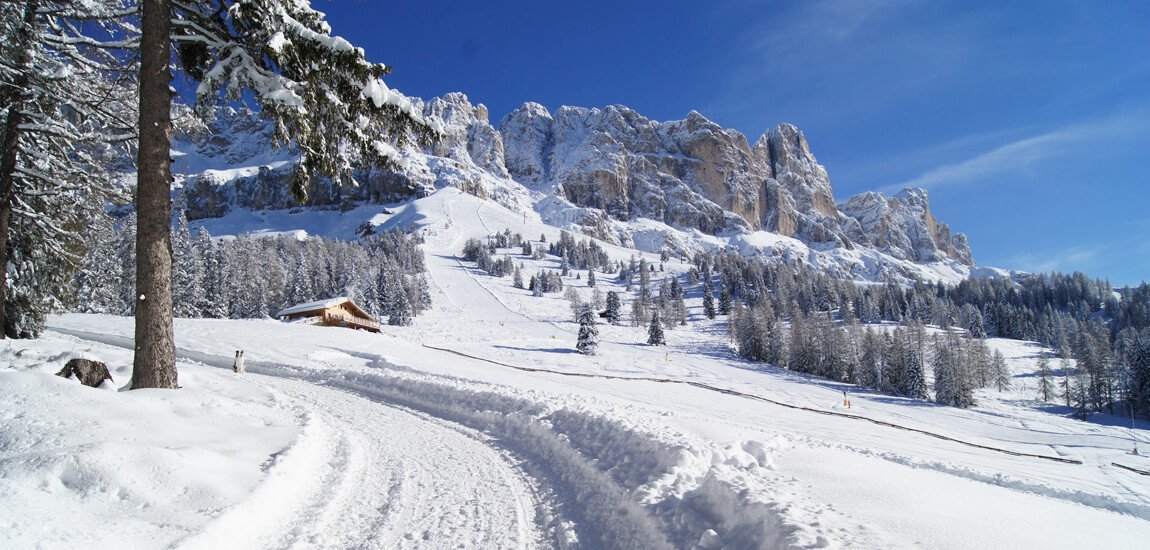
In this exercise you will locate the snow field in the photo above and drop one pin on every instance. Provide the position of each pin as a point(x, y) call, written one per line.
point(593, 462)
point(96, 468)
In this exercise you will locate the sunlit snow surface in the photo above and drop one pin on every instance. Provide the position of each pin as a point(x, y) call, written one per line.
point(338, 438)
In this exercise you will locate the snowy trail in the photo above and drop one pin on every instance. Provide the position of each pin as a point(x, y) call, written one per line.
point(367, 474)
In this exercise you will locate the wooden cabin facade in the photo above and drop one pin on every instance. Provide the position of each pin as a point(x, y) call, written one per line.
point(336, 312)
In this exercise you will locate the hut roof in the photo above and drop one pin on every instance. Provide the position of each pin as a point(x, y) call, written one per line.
point(313, 306)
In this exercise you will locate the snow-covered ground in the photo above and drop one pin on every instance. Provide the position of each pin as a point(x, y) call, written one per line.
point(480, 427)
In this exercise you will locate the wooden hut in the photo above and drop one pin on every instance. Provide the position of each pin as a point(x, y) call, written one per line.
point(336, 312)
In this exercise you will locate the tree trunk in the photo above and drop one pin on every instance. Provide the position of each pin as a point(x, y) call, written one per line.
point(8, 159)
point(155, 360)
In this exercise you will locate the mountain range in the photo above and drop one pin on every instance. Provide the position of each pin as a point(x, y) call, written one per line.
point(613, 174)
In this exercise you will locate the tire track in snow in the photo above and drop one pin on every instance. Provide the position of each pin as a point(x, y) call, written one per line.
point(586, 509)
point(737, 393)
point(367, 474)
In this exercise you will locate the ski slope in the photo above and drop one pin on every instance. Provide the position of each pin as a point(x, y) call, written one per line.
point(480, 427)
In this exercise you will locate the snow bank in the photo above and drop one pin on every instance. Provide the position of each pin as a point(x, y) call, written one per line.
point(96, 468)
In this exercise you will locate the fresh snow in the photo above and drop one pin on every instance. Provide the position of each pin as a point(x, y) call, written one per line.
point(480, 426)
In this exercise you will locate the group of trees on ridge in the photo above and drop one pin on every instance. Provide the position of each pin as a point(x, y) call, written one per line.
point(806, 321)
point(255, 277)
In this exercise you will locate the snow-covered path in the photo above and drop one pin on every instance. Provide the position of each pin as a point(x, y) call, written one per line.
point(367, 475)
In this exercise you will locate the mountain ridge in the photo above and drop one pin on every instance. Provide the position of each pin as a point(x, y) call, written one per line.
point(611, 173)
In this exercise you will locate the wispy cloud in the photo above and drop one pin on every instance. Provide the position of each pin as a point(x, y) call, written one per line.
point(1071, 259)
point(1021, 154)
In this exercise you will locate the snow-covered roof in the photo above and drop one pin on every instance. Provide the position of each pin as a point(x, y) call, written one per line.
point(313, 306)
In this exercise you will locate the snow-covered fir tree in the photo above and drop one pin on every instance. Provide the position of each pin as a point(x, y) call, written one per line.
point(708, 301)
point(65, 108)
point(1001, 372)
point(588, 332)
point(655, 331)
point(1046, 384)
point(952, 382)
point(613, 305)
point(574, 302)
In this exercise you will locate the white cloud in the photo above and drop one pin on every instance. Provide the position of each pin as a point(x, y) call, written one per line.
point(1071, 259)
point(1020, 154)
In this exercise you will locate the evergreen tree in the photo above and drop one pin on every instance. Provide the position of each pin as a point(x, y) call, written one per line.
point(321, 92)
point(576, 303)
point(870, 361)
point(724, 300)
point(1067, 373)
point(655, 331)
point(596, 299)
point(591, 278)
point(1001, 371)
point(399, 313)
point(708, 302)
point(613, 305)
point(588, 332)
point(639, 314)
point(1046, 389)
point(517, 278)
point(61, 112)
point(99, 278)
point(912, 370)
point(644, 282)
point(187, 280)
point(951, 383)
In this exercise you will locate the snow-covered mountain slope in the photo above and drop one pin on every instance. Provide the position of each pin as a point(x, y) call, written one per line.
point(479, 426)
point(609, 173)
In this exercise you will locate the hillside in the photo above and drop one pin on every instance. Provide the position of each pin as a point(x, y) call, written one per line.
point(479, 426)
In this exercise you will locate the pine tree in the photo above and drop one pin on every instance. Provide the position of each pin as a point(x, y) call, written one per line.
point(1001, 371)
point(708, 302)
point(400, 310)
point(187, 280)
point(588, 332)
point(655, 331)
point(644, 281)
point(576, 303)
point(912, 374)
point(639, 313)
point(62, 112)
point(320, 91)
point(1067, 373)
point(517, 278)
point(99, 278)
point(724, 300)
point(596, 299)
point(1046, 389)
point(591, 278)
point(952, 383)
point(613, 305)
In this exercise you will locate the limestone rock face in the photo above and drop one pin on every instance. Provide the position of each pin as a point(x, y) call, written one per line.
point(904, 227)
point(594, 169)
point(468, 137)
point(526, 134)
point(688, 173)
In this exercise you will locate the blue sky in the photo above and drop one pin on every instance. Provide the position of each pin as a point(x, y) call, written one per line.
point(1029, 122)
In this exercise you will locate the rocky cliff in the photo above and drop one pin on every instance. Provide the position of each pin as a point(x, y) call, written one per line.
point(594, 169)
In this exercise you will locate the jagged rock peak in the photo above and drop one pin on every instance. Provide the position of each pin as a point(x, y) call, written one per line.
point(904, 227)
point(467, 134)
point(526, 133)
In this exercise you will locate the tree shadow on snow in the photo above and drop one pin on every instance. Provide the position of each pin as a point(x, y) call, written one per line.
point(544, 350)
